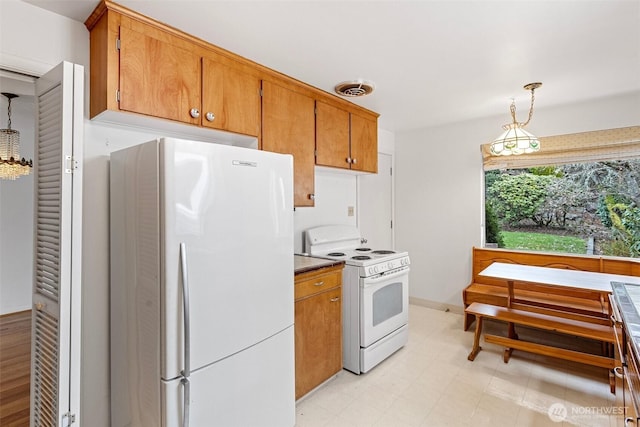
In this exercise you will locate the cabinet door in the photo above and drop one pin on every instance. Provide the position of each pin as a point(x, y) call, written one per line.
point(632, 385)
point(318, 329)
point(288, 126)
point(230, 99)
point(628, 402)
point(332, 136)
point(364, 144)
point(157, 78)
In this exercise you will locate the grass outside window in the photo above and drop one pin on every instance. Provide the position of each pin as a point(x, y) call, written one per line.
point(544, 242)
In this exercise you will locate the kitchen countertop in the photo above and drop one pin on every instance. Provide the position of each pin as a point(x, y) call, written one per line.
point(304, 263)
point(627, 298)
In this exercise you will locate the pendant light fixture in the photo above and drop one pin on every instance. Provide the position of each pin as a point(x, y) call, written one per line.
point(11, 165)
point(516, 140)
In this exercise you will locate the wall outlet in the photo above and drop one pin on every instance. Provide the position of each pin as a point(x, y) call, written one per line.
point(350, 211)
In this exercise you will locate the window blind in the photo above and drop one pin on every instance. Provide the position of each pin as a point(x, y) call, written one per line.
point(600, 145)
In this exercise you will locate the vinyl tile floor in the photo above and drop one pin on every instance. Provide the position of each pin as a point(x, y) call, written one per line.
point(430, 382)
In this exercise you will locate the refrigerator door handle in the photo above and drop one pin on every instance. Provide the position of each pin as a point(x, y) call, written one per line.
point(185, 408)
point(187, 334)
point(185, 310)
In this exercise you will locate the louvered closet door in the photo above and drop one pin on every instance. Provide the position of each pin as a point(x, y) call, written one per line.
point(56, 290)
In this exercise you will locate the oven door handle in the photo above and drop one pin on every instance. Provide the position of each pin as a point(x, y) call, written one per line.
point(369, 281)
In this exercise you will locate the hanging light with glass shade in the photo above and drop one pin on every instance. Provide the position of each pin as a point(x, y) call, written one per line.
point(514, 139)
point(11, 165)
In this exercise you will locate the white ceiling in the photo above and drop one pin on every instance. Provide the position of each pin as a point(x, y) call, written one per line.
point(433, 62)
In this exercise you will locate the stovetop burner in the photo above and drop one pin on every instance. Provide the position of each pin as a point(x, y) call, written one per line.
point(336, 254)
point(363, 249)
point(361, 257)
point(383, 252)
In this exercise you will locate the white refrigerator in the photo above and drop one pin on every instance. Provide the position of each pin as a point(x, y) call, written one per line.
point(201, 296)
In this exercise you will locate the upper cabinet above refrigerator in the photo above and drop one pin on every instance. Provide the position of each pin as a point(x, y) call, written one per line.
point(152, 72)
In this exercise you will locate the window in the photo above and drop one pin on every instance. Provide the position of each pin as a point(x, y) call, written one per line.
point(579, 194)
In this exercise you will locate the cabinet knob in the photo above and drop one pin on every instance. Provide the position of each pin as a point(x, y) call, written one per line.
point(354, 161)
point(335, 299)
point(312, 196)
point(348, 159)
point(629, 421)
point(320, 283)
point(210, 116)
point(195, 113)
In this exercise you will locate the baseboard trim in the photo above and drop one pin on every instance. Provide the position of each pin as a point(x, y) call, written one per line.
point(436, 305)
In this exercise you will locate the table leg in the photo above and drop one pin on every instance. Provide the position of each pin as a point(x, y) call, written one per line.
point(512, 331)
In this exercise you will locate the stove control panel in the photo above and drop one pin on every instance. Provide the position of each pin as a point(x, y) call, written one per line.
point(387, 266)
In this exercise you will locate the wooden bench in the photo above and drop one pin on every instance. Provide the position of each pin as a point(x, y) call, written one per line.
point(494, 292)
point(522, 311)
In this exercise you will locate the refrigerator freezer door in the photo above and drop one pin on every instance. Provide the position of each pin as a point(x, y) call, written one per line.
point(233, 209)
point(251, 388)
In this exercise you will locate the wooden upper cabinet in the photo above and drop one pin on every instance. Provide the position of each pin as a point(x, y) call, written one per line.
point(288, 126)
point(364, 143)
point(142, 66)
point(345, 139)
point(332, 136)
point(230, 99)
point(158, 78)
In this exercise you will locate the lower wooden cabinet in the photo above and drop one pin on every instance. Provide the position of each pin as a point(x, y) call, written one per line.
point(631, 387)
point(626, 371)
point(318, 327)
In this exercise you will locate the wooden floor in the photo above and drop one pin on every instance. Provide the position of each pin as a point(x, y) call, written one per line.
point(15, 368)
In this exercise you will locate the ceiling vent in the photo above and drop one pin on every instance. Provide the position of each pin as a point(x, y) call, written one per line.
point(354, 88)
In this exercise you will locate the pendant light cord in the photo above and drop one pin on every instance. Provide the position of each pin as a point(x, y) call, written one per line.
point(533, 97)
point(512, 108)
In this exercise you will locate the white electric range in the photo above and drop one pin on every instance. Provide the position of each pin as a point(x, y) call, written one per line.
point(375, 285)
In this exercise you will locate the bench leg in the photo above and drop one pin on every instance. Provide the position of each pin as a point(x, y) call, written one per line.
point(467, 321)
point(476, 339)
point(612, 381)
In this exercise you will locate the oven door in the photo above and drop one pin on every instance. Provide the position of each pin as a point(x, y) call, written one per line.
point(384, 305)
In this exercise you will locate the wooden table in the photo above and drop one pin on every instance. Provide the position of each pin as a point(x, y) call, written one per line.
point(570, 279)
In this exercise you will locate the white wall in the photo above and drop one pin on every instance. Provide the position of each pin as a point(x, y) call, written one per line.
point(439, 184)
point(16, 214)
point(36, 40)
